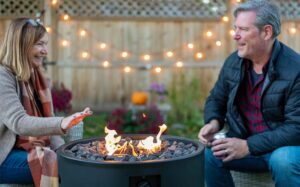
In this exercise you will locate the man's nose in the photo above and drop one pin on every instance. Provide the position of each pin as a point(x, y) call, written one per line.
point(236, 35)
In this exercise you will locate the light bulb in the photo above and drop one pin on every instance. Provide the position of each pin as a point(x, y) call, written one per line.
point(179, 64)
point(147, 57)
point(190, 45)
point(199, 55)
point(124, 54)
point(169, 54)
point(209, 34)
point(64, 43)
point(105, 63)
point(218, 43)
point(66, 17)
point(82, 33)
point(84, 54)
point(225, 18)
point(103, 45)
point(127, 69)
point(157, 69)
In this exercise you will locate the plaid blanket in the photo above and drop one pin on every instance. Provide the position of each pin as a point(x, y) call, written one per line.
point(37, 101)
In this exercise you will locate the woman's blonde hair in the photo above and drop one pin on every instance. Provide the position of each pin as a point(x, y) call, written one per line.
point(19, 39)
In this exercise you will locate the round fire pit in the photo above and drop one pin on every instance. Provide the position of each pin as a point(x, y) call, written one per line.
point(184, 170)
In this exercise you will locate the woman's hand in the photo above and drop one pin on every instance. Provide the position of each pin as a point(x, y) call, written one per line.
point(74, 119)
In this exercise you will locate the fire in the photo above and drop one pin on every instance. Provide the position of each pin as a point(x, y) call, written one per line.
point(111, 144)
point(149, 145)
point(114, 146)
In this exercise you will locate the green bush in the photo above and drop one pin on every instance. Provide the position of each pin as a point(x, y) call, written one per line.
point(94, 125)
point(186, 117)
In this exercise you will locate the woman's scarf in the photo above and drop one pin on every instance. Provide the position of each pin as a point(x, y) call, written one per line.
point(41, 159)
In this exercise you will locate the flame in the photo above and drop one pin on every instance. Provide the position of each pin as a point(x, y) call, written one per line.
point(149, 145)
point(111, 144)
point(146, 146)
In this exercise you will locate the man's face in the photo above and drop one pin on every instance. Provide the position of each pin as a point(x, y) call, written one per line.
point(250, 42)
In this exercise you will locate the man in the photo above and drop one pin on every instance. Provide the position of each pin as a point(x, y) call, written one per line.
point(258, 95)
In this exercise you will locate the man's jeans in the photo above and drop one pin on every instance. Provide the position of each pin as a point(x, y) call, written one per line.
point(284, 164)
point(15, 168)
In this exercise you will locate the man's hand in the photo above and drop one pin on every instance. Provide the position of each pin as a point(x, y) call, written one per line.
point(207, 132)
point(230, 148)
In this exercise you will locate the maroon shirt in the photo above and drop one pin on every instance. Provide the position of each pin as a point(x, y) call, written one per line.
point(249, 100)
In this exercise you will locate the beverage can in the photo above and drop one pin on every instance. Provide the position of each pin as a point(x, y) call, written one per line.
point(219, 135)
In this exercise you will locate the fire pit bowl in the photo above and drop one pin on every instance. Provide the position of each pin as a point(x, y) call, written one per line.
point(182, 171)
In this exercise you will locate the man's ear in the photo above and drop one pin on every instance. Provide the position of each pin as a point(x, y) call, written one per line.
point(267, 32)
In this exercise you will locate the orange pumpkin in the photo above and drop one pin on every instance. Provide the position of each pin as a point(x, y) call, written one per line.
point(139, 98)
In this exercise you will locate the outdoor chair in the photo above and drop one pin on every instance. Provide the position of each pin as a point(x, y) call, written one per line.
point(248, 179)
point(74, 133)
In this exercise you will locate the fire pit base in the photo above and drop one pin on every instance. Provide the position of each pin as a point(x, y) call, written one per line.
point(184, 171)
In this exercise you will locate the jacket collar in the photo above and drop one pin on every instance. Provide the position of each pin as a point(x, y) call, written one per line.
point(271, 74)
point(272, 62)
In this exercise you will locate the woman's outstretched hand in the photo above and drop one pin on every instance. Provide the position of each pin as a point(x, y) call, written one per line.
point(74, 119)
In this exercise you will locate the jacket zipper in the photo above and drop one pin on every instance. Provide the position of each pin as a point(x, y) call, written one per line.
point(262, 96)
point(242, 74)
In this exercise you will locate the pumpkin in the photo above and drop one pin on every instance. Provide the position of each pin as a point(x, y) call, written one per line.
point(139, 98)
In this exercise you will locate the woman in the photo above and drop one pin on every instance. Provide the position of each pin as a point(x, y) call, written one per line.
point(27, 125)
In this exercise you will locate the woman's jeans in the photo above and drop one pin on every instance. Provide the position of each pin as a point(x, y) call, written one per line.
point(284, 164)
point(15, 169)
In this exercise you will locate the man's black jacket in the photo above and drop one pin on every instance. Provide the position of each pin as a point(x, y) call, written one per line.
point(280, 100)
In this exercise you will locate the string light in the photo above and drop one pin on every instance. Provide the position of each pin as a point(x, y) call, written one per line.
point(232, 32)
point(218, 43)
point(293, 30)
point(158, 69)
point(66, 17)
point(209, 34)
point(179, 64)
point(84, 54)
point(65, 43)
point(124, 54)
point(105, 64)
point(170, 54)
point(190, 45)
point(127, 69)
point(146, 57)
point(225, 18)
point(54, 2)
point(205, 1)
point(199, 55)
point(103, 45)
point(82, 33)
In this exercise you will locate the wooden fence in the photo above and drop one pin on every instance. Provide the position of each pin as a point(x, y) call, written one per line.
point(87, 48)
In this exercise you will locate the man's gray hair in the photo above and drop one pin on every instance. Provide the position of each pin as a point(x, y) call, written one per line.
point(267, 13)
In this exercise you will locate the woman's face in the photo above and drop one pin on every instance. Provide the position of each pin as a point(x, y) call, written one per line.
point(39, 51)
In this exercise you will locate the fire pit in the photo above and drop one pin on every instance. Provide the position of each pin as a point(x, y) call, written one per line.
point(178, 162)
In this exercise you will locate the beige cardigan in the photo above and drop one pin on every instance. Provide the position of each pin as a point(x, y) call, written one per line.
point(14, 120)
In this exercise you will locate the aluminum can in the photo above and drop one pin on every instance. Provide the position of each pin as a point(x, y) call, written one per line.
point(219, 135)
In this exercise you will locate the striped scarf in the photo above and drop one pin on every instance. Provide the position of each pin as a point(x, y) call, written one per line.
point(41, 159)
